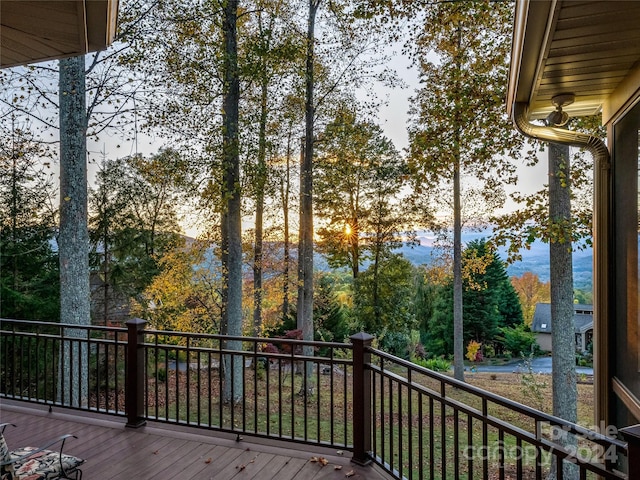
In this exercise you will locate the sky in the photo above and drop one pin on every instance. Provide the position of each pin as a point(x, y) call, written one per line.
point(393, 118)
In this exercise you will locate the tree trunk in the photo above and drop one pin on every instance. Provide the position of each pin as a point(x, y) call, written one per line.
point(224, 261)
point(232, 268)
point(377, 314)
point(73, 238)
point(354, 243)
point(284, 189)
point(14, 211)
point(563, 345)
point(458, 316)
point(305, 255)
point(301, 244)
point(106, 262)
point(261, 179)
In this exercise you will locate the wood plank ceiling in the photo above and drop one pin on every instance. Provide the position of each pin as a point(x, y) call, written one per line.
point(593, 47)
point(32, 31)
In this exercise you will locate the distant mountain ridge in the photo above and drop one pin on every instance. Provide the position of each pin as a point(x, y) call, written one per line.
point(535, 260)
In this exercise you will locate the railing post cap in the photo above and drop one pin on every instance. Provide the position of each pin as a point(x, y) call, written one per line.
point(136, 321)
point(632, 431)
point(361, 337)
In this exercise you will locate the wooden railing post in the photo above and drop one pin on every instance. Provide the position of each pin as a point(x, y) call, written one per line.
point(361, 398)
point(134, 386)
point(632, 436)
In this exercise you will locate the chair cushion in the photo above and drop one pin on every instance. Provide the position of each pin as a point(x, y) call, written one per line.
point(6, 472)
point(43, 465)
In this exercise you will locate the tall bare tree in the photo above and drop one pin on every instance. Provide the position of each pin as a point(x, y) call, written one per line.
point(305, 239)
point(563, 341)
point(559, 214)
point(459, 129)
point(273, 51)
point(232, 208)
point(73, 236)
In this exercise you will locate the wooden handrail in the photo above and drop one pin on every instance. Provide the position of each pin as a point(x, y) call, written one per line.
point(627, 397)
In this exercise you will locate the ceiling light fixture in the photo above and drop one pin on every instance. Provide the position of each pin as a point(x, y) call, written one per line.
point(558, 118)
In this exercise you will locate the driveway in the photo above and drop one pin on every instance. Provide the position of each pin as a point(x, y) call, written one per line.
point(538, 365)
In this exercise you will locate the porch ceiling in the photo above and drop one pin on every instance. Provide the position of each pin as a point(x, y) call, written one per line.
point(588, 48)
point(33, 31)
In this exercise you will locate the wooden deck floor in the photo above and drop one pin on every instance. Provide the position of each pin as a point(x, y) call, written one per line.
point(164, 452)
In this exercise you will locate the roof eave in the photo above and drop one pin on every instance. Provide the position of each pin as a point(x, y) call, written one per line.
point(96, 30)
point(531, 25)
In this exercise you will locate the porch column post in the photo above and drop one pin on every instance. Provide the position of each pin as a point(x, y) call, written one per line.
point(134, 385)
point(361, 398)
point(632, 436)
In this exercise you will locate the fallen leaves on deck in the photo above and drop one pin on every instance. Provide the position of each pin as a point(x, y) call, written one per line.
point(243, 466)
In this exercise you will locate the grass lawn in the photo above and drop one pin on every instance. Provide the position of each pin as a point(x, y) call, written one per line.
point(435, 426)
point(510, 385)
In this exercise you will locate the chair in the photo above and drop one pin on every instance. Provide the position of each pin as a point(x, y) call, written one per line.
point(30, 463)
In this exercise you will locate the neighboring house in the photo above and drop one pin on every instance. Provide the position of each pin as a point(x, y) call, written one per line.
point(108, 307)
point(582, 318)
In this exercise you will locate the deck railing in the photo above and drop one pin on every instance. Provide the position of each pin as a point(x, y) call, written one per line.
point(413, 422)
point(429, 425)
point(75, 366)
point(281, 393)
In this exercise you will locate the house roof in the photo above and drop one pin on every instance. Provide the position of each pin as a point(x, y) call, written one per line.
point(582, 317)
point(34, 31)
point(588, 48)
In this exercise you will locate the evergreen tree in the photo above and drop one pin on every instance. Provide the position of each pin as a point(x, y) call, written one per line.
point(491, 274)
point(29, 273)
point(329, 314)
point(383, 298)
point(439, 334)
point(428, 290)
point(490, 301)
point(134, 222)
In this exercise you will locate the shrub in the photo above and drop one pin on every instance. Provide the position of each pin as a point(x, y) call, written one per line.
point(489, 351)
point(436, 364)
point(519, 340)
point(261, 370)
point(584, 359)
point(161, 376)
point(396, 343)
point(473, 351)
point(533, 385)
